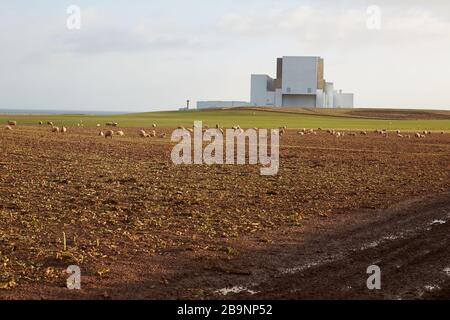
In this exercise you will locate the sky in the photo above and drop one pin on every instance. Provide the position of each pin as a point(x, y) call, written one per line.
point(154, 55)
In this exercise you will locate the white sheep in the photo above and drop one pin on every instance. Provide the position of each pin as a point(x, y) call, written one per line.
point(143, 134)
point(101, 134)
point(12, 123)
point(8, 127)
point(55, 129)
point(120, 133)
point(63, 130)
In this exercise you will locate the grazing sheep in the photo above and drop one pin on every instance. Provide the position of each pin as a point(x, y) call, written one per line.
point(154, 125)
point(101, 134)
point(12, 123)
point(41, 123)
point(398, 132)
point(55, 129)
point(98, 125)
point(152, 134)
point(109, 134)
point(120, 133)
point(418, 135)
point(63, 130)
point(363, 133)
point(143, 134)
point(50, 123)
point(301, 133)
point(8, 127)
point(399, 135)
point(338, 134)
point(407, 136)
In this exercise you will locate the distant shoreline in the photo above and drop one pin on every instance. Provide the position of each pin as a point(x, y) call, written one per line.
point(57, 112)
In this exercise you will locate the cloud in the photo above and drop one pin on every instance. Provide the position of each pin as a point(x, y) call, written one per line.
point(318, 26)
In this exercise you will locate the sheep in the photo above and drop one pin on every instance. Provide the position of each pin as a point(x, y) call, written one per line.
point(41, 123)
point(338, 134)
point(398, 132)
point(63, 130)
point(152, 134)
point(154, 125)
point(50, 123)
point(162, 135)
point(363, 133)
point(282, 132)
point(98, 125)
point(55, 129)
point(301, 133)
point(399, 135)
point(8, 127)
point(12, 123)
point(101, 134)
point(143, 134)
point(120, 133)
point(109, 134)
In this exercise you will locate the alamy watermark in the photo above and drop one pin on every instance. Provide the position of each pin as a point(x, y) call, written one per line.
point(373, 21)
point(235, 141)
point(74, 280)
point(74, 19)
point(374, 280)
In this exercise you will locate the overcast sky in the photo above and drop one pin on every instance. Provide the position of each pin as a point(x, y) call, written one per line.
point(153, 55)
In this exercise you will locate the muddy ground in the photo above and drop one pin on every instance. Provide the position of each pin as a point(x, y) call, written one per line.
point(141, 227)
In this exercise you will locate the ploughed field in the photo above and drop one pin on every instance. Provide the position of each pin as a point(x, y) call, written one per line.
point(120, 209)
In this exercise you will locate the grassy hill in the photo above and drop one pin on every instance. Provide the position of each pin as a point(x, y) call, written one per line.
point(264, 118)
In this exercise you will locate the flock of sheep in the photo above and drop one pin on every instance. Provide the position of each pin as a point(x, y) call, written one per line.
point(282, 131)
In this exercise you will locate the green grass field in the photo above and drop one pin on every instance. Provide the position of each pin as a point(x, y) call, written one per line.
point(253, 118)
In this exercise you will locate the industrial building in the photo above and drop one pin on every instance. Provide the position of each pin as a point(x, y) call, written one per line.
point(299, 82)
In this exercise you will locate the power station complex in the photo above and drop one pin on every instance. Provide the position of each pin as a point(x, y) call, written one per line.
point(299, 83)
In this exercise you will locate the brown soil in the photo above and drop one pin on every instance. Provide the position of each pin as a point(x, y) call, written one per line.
point(141, 227)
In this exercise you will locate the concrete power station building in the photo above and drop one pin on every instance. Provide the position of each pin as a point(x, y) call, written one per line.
point(299, 83)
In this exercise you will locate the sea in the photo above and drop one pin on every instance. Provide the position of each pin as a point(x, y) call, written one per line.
point(53, 111)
